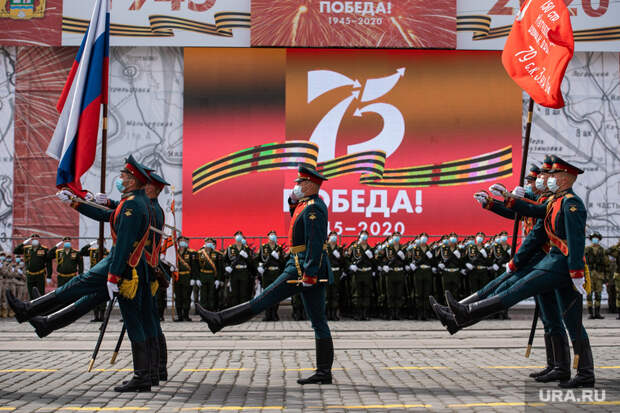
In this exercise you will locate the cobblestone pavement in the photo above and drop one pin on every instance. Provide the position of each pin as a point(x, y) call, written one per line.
point(381, 366)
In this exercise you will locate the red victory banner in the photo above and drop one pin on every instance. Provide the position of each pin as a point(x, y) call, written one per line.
point(538, 49)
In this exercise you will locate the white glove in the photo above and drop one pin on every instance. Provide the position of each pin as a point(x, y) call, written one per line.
point(192, 282)
point(217, 284)
point(343, 275)
point(303, 284)
point(483, 252)
point(261, 270)
point(463, 272)
point(509, 251)
point(578, 283)
point(401, 255)
point(228, 269)
point(19, 271)
point(413, 267)
point(89, 197)
point(508, 270)
point(369, 253)
point(386, 268)
point(336, 254)
point(495, 267)
point(469, 266)
point(482, 197)
point(92, 244)
point(434, 270)
point(407, 267)
point(519, 191)
point(112, 288)
point(101, 198)
point(497, 189)
point(275, 255)
point(198, 283)
point(65, 195)
point(27, 241)
point(59, 244)
point(457, 253)
point(173, 268)
point(442, 266)
point(429, 254)
point(243, 254)
point(353, 267)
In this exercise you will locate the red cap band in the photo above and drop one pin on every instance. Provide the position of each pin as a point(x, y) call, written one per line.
point(136, 173)
point(312, 178)
point(565, 168)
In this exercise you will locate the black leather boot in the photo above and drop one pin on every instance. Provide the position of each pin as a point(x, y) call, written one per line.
point(153, 347)
point(467, 300)
point(44, 325)
point(24, 310)
point(550, 358)
point(561, 354)
point(444, 315)
point(141, 380)
point(163, 358)
point(474, 312)
point(597, 313)
point(228, 317)
point(591, 317)
point(585, 369)
point(35, 293)
point(186, 314)
point(276, 317)
point(324, 361)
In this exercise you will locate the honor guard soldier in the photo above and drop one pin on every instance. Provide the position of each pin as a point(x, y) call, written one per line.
point(307, 272)
point(37, 263)
point(92, 252)
point(362, 263)
point(476, 263)
point(614, 255)
point(270, 266)
point(449, 263)
point(69, 262)
point(338, 261)
point(210, 263)
point(598, 263)
point(422, 267)
point(187, 266)
point(396, 282)
point(240, 270)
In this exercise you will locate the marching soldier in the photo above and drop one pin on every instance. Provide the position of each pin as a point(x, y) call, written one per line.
point(500, 256)
point(38, 265)
point(476, 262)
point(597, 261)
point(240, 269)
point(92, 252)
point(338, 261)
point(422, 268)
point(188, 273)
point(271, 265)
point(449, 263)
point(69, 262)
point(362, 264)
point(210, 264)
point(614, 253)
point(396, 282)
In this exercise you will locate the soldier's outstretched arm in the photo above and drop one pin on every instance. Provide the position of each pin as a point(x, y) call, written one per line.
point(527, 208)
point(92, 212)
point(500, 209)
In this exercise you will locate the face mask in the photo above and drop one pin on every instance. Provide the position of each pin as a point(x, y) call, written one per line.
point(239, 238)
point(210, 245)
point(183, 244)
point(594, 240)
point(540, 184)
point(298, 192)
point(528, 189)
point(273, 237)
point(333, 238)
point(119, 184)
point(444, 242)
point(424, 239)
point(35, 243)
point(390, 241)
point(410, 247)
point(416, 242)
point(363, 237)
point(67, 245)
point(453, 240)
point(552, 184)
point(396, 239)
point(479, 240)
point(1, 259)
point(18, 260)
point(470, 242)
point(503, 238)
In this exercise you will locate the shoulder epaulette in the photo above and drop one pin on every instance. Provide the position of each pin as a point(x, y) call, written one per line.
point(568, 196)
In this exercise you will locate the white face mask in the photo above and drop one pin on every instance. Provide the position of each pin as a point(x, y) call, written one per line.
point(540, 184)
point(552, 184)
point(298, 192)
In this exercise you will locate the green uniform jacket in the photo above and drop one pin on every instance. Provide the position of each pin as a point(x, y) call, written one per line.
point(36, 259)
point(67, 262)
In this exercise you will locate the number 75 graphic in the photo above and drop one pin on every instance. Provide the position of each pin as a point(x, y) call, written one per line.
point(326, 131)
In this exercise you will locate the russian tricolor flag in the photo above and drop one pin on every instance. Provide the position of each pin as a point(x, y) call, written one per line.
point(74, 142)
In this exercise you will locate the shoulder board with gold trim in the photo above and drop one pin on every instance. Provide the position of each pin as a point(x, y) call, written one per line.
point(310, 202)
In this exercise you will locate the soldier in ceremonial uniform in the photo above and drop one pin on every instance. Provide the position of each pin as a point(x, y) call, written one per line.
point(562, 269)
point(449, 263)
point(500, 255)
point(338, 261)
point(307, 271)
point(187, 264)
point(210, 264)
point(422, 267)
point(38, 264)
point(69, 262)
point(614, 254)
point(396, 277)
point(598, 263)
point(362, 263)
point(271, 264)
point(123, 271)
point(240, 270)
point(92, 252)
point(476, 263)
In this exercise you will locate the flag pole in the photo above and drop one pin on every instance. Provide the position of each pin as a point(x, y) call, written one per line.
point(104, 149)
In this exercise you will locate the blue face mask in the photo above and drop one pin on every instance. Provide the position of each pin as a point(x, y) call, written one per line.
point(479, 240)
point(18, 260)
point(1, 258)
point(183, 244)
point(416, 242)
point(396, 239)
point(424, 239)
point(67, 245)
point(244, 242)
point(453, 240)
point(273, 237)
point(504, 238)
point(444, 242)
point(333, 238)
point(528, 190)
point(239, 238)
point(363, 237)
point(552, 184)
point(119, 184)
point(594, 240)
point(410, 246)
point(210, 245)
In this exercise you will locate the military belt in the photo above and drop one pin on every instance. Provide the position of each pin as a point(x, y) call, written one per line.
point(206, 271)
point(183, 272)
point(73, 274)
point(335, 268)
point(425, 267)
point(398, 268)
point(365, 269)
point(241, 267)
point(451, 269)
point(272, 268)
point(481, 267)
point(35, 272)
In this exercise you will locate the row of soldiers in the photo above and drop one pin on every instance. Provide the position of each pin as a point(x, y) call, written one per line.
point(12, 278)
point(604, 271)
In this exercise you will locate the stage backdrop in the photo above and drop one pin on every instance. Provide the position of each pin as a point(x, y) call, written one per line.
point(7, 146)
point(405, 136)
